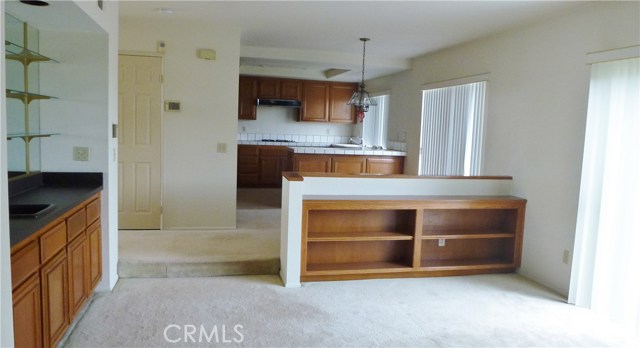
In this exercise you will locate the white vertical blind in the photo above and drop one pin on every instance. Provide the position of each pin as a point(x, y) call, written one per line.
point(452, 130)
point(606, 266)
point(375, 123)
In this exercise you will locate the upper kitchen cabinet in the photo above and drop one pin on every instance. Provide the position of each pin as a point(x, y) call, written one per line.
point(315, 102)
point(327, 102)
point(291, 89)
point(268, 88)
point(247, 98)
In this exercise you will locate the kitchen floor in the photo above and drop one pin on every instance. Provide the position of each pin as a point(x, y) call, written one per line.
point(252, 248)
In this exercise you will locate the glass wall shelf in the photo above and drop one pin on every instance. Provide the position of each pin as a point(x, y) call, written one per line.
point(12, 93)
point(28, 136)
point(26, 56)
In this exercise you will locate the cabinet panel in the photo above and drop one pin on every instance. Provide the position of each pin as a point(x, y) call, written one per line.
point(76, 223)
point(312, 163)
point(78, 258)
point(247, 95)
point(55, 309)
point(25, 263)
point(53, 241)
point(315, 102)
point(270, 171)
point(291, 89)
point(94, 240)
point(385, 165)
point(339, 111)
point(93, 211)
point(268, 88)
point(348, 164)
point(27, 315)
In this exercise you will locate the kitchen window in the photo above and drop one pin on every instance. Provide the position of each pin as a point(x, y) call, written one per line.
point(374, 130)
point(452, 127)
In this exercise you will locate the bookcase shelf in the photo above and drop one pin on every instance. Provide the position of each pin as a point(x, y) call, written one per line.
point(430, 236)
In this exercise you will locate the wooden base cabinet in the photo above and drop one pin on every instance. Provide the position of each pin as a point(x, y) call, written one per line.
point(416, 237)
point(348, 164)
point(54, 272)
point(262, 166)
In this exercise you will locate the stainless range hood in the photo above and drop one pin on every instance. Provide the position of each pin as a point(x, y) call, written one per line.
point(279, 102)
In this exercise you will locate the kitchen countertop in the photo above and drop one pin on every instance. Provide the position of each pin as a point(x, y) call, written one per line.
point(323, 148)
point(63, 190)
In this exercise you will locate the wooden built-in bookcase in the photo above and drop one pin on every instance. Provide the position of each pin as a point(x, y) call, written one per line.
point(410, 236)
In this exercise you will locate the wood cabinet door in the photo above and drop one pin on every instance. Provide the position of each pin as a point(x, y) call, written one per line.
point(55, 309)
point(268, 88)
point(348, 164)
point(315, 102)
point(78, 262)
point(291, 89)
point(247, 98)
point(94, 241)
point(270, 170)
point(27, 314)
point(247, 165)
point(385, 165)
point(339, 111)
point(312, 163)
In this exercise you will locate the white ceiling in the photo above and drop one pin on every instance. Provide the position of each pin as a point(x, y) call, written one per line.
point(306, 37)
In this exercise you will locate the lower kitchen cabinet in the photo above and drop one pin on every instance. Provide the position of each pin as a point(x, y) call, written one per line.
point(348, 164)
point(262, 166)
point(27, 314)
point(54, 272)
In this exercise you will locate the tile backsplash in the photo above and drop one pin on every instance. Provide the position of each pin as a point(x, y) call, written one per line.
point(309, 140)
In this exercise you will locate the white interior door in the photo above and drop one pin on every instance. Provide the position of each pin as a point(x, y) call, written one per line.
point(139, 167)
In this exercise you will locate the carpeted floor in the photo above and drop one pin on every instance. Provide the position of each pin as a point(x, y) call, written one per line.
point(256, 311)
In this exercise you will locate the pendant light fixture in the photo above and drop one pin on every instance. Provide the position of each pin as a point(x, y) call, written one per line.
point(361, 98)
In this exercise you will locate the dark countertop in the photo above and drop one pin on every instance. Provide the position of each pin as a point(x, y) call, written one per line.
point(64, 190)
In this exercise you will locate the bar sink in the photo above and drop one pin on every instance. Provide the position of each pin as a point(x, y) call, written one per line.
point(29, 210)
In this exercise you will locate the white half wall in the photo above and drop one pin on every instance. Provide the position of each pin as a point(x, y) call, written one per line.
point(536, 113)
point(199, 184)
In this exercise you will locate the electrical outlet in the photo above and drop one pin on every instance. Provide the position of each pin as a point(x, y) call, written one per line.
point(222, 147)
point(441, 242)
point(80, 153)
point(566, 256)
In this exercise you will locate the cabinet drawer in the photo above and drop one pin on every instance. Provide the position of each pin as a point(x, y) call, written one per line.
point(76, 223)
point(249, 150)
point(53, 241)
point(24, 262)
point(93, 211)
point(273, 151)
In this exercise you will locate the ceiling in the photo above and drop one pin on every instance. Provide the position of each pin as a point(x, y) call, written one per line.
point(304, 38)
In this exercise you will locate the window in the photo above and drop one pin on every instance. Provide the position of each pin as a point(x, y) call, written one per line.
point(452, 129)
point(375, 123)
point(606, 272)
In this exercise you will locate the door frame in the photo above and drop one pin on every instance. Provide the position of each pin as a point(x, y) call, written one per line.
point(162, 130)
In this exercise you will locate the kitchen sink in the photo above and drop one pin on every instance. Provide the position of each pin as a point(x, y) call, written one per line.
point(347, 146)
point(29, 210)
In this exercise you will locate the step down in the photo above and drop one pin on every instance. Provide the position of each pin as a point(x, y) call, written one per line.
point(132, 269)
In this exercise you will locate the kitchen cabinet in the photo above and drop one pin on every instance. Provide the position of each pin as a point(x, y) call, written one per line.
point(268, 88)
point(348, 164)
point(27, 314)
point(413, 237)
point(327, 102)
point(262, 166)
point(248, 93)
point(315, 102)
point(54, 272)
point(291, 89)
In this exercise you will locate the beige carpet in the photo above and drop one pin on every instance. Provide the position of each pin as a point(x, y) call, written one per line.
point(473, 311)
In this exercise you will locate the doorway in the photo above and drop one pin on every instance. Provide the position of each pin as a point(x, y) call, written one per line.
point(140, 150)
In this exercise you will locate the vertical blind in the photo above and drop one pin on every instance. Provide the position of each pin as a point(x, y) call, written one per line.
point(375, 123)
point(452, 130)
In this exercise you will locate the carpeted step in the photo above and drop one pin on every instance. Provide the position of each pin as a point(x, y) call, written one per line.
point(132, 269)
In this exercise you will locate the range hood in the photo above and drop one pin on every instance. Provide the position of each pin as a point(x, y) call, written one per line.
point(279, 102)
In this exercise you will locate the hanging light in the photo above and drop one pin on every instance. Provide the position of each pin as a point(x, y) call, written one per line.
point(361, 98)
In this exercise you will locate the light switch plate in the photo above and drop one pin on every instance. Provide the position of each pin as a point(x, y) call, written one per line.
point(222, 147)
point(80, 153)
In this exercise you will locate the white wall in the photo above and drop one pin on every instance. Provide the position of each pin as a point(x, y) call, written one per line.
point(199, 184)
point(536, 112)
point(282, 120)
